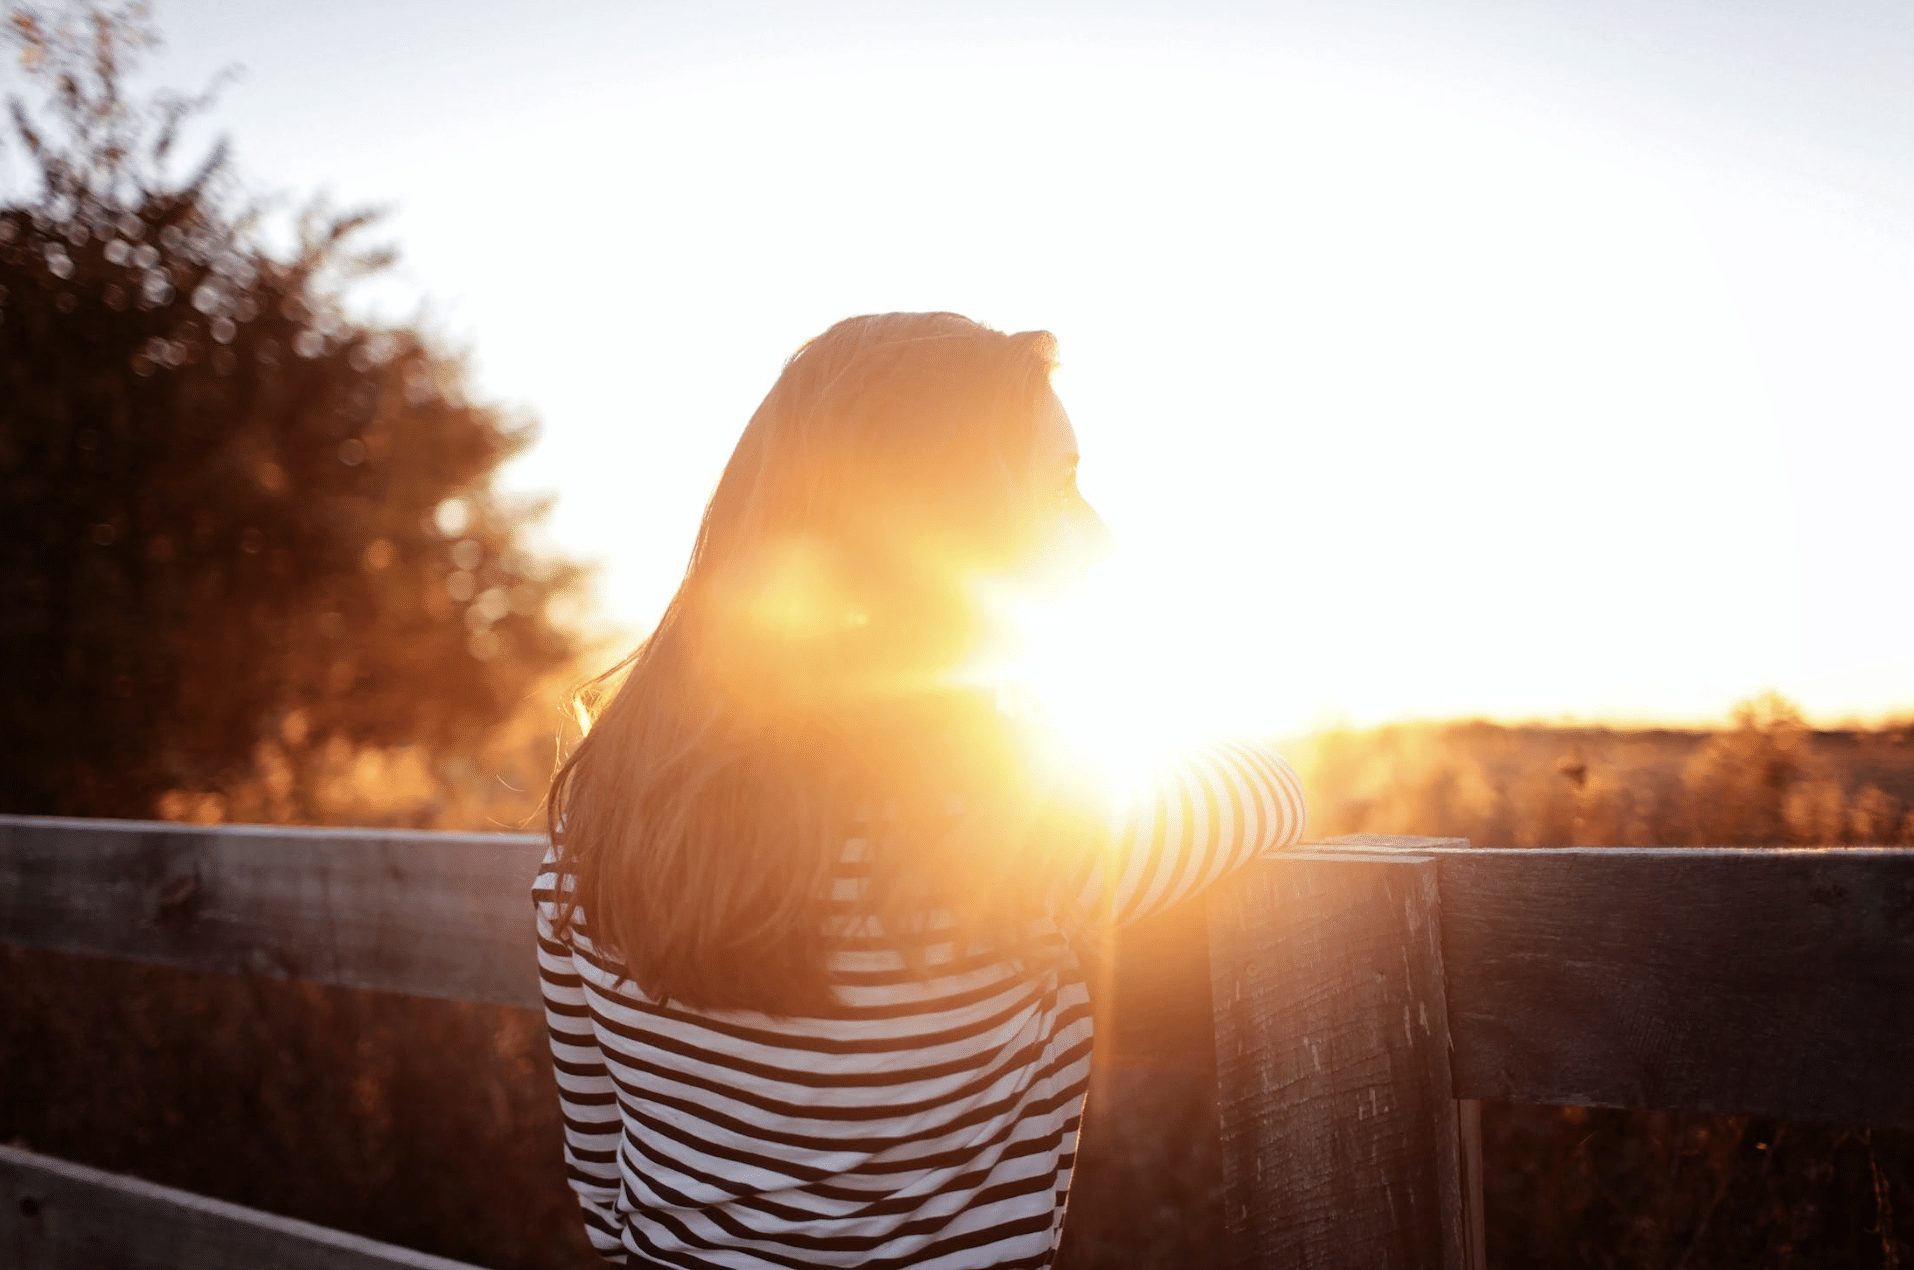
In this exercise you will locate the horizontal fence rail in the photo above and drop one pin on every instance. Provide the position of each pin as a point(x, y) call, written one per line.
point(1775, 981)
point(444, 915)
point(60, 1216)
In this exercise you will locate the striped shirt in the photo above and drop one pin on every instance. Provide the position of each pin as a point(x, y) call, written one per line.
point(927, 1121)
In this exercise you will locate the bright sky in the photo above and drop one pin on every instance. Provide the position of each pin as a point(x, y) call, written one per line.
point(1526, 359)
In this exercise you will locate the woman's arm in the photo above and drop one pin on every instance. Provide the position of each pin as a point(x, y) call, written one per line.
point(1210, 812)
point(586, 1099)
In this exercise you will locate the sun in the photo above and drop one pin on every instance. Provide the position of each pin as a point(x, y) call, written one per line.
point(1114, 679)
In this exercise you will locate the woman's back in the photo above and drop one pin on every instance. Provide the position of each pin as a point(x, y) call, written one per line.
point(930, 1118)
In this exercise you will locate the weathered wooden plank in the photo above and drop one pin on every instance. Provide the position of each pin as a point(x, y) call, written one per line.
point(433, 914)
point(1341, 1140)
point(55, 1215)
point(1475, 1213)
point(1766, 980)
point(1390, 842)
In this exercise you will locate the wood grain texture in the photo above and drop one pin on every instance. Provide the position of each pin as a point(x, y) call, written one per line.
point(1475, 1218)
point(1765, 980)
point(60, 1216)
point(1341, 1140)
point(432, 914)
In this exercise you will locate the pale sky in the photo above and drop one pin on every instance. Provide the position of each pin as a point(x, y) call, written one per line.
point(1521, 359)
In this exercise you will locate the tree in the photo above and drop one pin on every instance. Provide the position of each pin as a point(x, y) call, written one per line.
point(229, 511)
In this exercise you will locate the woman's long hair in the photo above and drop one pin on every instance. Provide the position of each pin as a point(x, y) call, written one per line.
point(806, 684)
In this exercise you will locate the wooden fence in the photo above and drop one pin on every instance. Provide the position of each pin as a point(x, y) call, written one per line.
point(1366, 994)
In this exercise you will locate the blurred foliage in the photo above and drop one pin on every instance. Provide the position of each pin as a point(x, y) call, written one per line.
point(252, 564)
point(1765, 780)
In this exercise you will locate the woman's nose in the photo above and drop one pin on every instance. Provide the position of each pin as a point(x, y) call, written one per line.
point(1097, 540)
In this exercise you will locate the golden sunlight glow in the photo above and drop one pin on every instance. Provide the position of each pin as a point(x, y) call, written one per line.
point(1110, 676)
point(793, 595)
point(1437, 388)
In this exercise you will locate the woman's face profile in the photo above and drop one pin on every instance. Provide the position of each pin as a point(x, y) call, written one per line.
point(1074, 536)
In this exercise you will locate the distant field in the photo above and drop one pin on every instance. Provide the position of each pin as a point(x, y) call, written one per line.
point(1767, 780)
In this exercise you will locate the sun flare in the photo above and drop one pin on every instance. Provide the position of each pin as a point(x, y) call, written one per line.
point(1111, 678)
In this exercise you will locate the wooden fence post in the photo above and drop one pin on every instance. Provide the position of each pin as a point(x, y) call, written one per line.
point(1343, 1143)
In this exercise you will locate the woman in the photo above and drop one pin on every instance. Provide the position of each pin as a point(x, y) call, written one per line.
point(809, 931)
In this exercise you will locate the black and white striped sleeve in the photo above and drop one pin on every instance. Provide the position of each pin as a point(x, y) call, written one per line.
point(588, 1102)
point(1212, 811)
